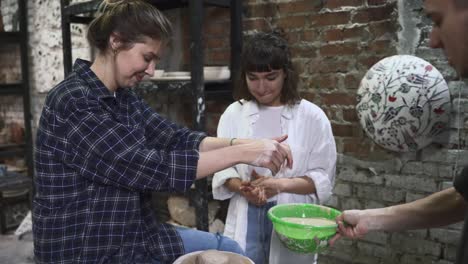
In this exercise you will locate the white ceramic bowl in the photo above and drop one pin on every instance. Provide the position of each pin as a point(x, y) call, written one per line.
point(216, 73)
point(176, 74)
point(158, 73)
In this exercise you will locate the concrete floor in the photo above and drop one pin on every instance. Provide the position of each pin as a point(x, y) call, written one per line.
point(16, 250)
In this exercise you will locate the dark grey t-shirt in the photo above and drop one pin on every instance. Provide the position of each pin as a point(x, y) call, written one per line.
point(461, 185)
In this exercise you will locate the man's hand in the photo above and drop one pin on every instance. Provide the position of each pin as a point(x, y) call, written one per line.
point(352, 224)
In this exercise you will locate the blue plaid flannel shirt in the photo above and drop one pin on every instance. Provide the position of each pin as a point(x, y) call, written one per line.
point(98, 157)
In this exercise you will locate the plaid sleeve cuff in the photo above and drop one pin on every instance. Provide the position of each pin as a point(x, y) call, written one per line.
point(182, 169)
point(183, 163)
point(194, 140)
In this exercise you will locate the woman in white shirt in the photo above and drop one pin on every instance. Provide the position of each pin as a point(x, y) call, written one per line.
point(268, 106)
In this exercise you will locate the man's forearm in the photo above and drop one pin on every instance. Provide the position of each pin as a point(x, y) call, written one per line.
point(439, 209)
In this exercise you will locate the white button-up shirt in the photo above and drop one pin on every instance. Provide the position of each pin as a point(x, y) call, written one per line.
point(314, 155)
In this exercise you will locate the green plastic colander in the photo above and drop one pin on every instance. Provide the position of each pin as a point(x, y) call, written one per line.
point(303, 238)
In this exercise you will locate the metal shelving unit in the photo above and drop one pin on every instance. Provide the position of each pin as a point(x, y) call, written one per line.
point(11, 89)
point(14, 181)
point(10, 37)
point(200, 90)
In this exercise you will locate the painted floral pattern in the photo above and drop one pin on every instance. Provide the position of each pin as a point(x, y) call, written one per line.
point(403, 103)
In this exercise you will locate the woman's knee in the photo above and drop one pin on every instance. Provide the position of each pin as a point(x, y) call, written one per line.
point(228, 244)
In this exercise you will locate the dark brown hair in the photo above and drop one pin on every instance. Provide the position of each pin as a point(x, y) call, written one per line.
point(131, 20)
point(265, 52)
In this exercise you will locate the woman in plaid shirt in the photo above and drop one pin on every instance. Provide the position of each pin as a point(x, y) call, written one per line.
point(101, 151)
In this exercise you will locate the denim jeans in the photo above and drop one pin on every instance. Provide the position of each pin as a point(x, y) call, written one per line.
point(195, 240)
point(259, 229)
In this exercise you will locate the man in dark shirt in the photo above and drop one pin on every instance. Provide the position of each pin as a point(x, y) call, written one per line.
point(449, 32)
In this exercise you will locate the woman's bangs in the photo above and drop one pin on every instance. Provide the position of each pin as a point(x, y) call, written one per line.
point(263, 64)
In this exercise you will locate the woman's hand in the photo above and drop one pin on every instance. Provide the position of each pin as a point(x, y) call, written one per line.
point(255, 195)
point(268, 153)
point(271, 186)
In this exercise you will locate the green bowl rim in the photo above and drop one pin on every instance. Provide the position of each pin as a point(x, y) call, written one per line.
point(279, 220)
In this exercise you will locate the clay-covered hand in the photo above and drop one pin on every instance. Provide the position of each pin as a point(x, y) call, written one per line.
point(352, 224)
point(289, 161)
point(254, 195)
point(269, 154)
point(271, 186)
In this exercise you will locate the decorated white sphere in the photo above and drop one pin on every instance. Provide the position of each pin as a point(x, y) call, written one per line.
point(403, 103)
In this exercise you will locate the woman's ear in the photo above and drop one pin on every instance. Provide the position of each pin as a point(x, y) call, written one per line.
point(114, 41)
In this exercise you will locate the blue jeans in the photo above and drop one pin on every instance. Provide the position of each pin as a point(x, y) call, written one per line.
point(195, 240)
point(259, 229)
